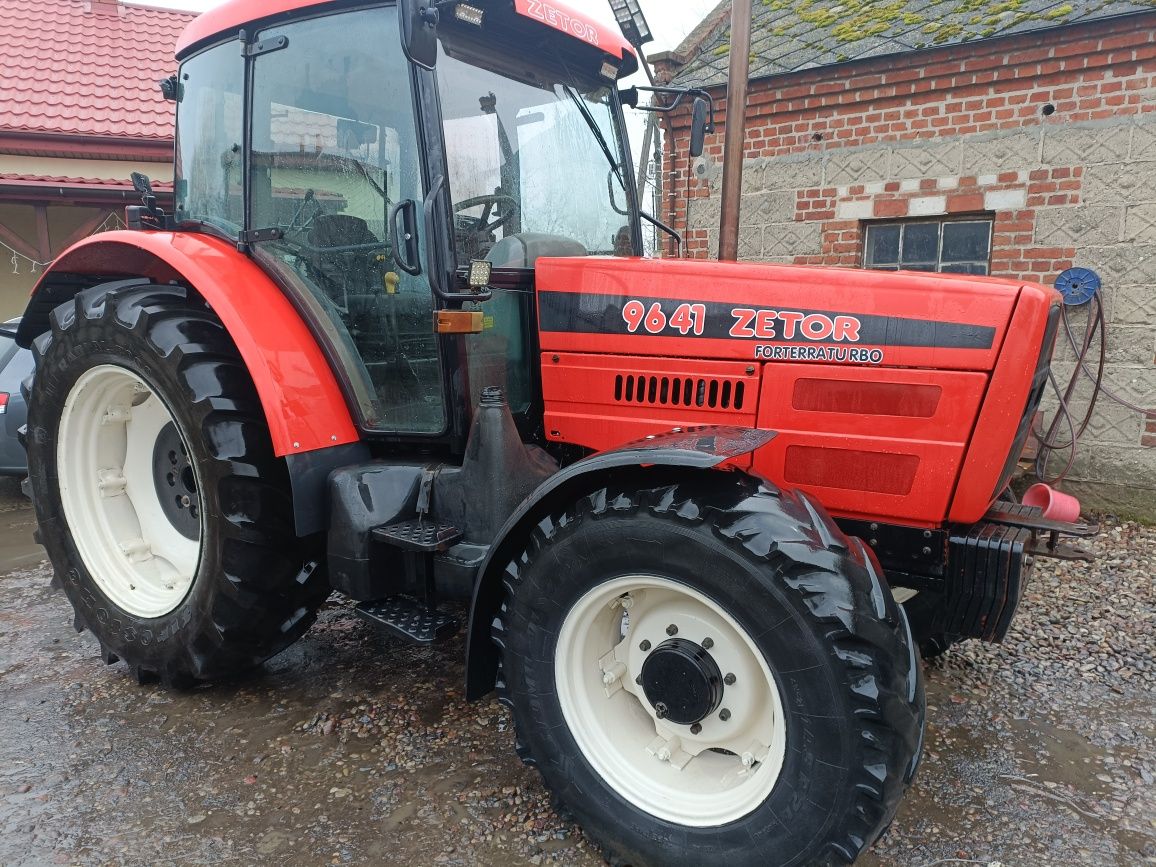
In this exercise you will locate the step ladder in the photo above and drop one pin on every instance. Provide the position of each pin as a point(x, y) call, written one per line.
point(418, 621)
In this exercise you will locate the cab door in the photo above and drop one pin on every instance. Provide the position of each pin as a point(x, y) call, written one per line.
point(333, 155)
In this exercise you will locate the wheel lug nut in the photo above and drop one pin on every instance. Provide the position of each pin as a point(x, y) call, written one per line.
point(695, 729)
point(729, 680)
point(672, 630)
point(660, 710)
point(645, 646)
point(707, 643)
point(724, 714)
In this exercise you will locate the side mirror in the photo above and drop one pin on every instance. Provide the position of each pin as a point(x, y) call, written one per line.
point(171, 89)
point(419, 31)
point(701, 112)
point(699, 126)
point(142, 184)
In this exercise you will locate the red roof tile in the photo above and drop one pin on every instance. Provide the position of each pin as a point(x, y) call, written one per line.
point(87, 67)
point(59, 181)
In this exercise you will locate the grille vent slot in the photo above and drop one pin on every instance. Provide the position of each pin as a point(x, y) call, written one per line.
point(679, 391)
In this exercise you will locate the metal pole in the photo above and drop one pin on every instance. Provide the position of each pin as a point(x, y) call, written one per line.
point(736, 130)
point(644, 159)
point(651, 123)
point(656, 206)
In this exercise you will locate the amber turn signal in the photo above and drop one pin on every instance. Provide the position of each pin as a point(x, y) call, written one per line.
point(458, 321)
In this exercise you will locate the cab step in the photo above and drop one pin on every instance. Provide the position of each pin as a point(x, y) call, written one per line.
point(418, 535)
point(409, 619)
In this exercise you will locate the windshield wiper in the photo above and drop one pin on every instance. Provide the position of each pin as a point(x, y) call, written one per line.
point(597, 130)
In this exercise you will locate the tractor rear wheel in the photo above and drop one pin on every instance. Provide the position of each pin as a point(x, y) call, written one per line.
point(711, 672)
point(165, 513)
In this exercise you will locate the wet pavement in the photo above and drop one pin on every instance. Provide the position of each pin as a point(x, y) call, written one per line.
point(352, 749)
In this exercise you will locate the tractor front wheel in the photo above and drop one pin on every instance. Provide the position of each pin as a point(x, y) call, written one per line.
point(711, 672)
point(165, 513)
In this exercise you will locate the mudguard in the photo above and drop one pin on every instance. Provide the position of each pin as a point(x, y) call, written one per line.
point(687, 449)
point(303, 403)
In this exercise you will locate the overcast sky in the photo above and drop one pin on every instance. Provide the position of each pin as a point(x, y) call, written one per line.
point(670, 20)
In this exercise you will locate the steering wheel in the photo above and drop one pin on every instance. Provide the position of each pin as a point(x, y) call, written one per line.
point(483, 226)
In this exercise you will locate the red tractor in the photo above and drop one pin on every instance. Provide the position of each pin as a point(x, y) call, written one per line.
point(398, 340)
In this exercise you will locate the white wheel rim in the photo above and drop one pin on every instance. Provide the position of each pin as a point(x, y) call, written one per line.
point(108, 431)
point(663, 768)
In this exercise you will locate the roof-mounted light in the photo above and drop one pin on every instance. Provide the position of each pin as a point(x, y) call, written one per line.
point(632, 22)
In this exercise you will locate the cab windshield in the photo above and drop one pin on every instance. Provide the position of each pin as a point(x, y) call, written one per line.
point(535, 160)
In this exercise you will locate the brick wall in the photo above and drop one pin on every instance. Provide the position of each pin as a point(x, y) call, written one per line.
point(1052, 135)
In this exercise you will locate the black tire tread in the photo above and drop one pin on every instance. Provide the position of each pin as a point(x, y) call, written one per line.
point(257, 612)
point(804, 547)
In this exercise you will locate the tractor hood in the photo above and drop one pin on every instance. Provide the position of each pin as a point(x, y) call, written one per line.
point(758, 312)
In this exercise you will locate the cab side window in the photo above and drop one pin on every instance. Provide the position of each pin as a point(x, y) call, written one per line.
point(334, 148)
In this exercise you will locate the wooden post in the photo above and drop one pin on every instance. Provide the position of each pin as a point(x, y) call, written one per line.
point(736, 130)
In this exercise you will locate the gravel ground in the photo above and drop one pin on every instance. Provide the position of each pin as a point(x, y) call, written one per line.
point(350, 748)
point(1042, 750)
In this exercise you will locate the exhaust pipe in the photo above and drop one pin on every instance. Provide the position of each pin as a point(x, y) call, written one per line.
point(736, 131)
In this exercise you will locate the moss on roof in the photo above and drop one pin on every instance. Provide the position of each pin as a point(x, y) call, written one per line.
point(789, 35)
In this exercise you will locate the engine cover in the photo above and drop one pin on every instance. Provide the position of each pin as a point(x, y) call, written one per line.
point(875, 381)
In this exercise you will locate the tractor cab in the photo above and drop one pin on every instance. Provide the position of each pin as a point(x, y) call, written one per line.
point(382, 150)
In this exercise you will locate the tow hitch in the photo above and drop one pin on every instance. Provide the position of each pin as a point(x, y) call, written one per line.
point(1045, 532)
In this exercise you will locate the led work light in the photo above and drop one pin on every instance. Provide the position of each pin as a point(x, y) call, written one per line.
point(632, 22)
point(480, 272)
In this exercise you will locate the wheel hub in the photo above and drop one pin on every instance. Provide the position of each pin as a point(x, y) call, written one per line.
point(629, 644)
point(118, 448)
point(176, 485)
point(682, 682)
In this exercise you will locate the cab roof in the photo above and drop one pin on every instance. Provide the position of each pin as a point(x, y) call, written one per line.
point(235, 14)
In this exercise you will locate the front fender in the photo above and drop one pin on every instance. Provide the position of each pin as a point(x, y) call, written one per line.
point(681, 451)
point(303, 403)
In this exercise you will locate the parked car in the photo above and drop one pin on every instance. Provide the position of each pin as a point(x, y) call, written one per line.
point(15, 366)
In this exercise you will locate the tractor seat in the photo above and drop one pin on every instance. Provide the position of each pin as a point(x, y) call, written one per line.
point(340, 230)
point(352, 278)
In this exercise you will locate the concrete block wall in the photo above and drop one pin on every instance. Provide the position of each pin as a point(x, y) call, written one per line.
point(1055, 142)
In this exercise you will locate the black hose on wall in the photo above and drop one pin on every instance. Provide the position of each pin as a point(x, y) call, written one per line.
point(1095, 334)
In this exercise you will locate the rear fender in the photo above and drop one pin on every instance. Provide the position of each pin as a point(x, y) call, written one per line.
point(303, 403)
point(661, 459)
